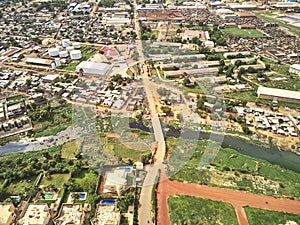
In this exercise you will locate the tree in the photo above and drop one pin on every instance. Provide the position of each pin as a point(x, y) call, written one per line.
point(166, 110)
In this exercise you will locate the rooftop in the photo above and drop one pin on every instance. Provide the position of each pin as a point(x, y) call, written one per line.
point(278, 92)
point(36, 214)
point(6, 211)
point(107, 214)
point(70, 214)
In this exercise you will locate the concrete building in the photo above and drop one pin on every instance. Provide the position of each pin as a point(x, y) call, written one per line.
point(190, 34)
point(106, 215)
point(173, 74)
point(7, 213)
point(70, 214)
point(93, 68)
point(50, 78)
point(39, 61)
point(295, 68)
point(280, 95)
point(35, 214)
point(115, 181)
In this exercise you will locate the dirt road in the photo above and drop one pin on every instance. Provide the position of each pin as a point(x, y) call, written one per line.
point(238, 199)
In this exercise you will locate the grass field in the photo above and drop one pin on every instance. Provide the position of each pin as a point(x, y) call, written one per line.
point(69, 149)
point(21, 187)
point(267, 217)
point(121, 151)
point(243, 33)
point(192, 210)
point(57, 180)
point(234, 170)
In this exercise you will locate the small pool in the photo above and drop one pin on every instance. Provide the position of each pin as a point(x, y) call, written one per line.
point(108, 202)
point(82, 196)
point(127, 169)
point(48, 196)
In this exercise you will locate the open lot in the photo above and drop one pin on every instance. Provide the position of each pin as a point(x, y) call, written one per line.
point(192, 210)
point(262, 217)
point(243, 33)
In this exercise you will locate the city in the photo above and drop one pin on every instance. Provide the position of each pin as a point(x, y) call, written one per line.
point(149, 112)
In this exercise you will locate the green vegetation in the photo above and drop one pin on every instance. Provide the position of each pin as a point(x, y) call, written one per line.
point(263, 217)
point(269, 17)
point(70, 149)
point(241, 172)
point(85, 180)
point(123, 152)
point(50, 119)
point(192, 210)
point(243, 33)
point(55, 180)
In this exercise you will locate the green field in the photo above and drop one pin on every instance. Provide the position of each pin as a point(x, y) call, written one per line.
point(267, 217)
point(243, 33)
point(121, 151)
point(231, 169)
point(57, 180)
point(69, 149)
point(22, 187)
point(86, 180)
point(192, 210)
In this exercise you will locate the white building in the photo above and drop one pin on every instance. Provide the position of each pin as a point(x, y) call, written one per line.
point(278, 94)
point(295, 68)
point(93, 68)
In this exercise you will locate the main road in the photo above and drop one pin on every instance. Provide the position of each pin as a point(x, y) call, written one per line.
point(145, 206)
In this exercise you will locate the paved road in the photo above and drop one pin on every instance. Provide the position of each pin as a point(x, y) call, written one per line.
point(238, 199)
point(145, 206)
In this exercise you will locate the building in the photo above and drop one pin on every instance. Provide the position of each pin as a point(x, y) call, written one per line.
point(106, 215)
point(7, 213)
point(115, 181)
point(280, 95)
point(190, 34)
point(93, 68)
point(295, 68)
point(39, 61)
point(50, 78)
point(35, 214)
point(70, 214)
point(174, 74)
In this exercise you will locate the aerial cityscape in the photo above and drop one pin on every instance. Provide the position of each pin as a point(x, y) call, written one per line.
point(138, 112)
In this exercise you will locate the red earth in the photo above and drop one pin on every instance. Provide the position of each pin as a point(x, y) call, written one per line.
point(238, 199)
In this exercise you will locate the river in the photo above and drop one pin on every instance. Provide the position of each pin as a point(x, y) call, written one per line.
point(284, 158)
